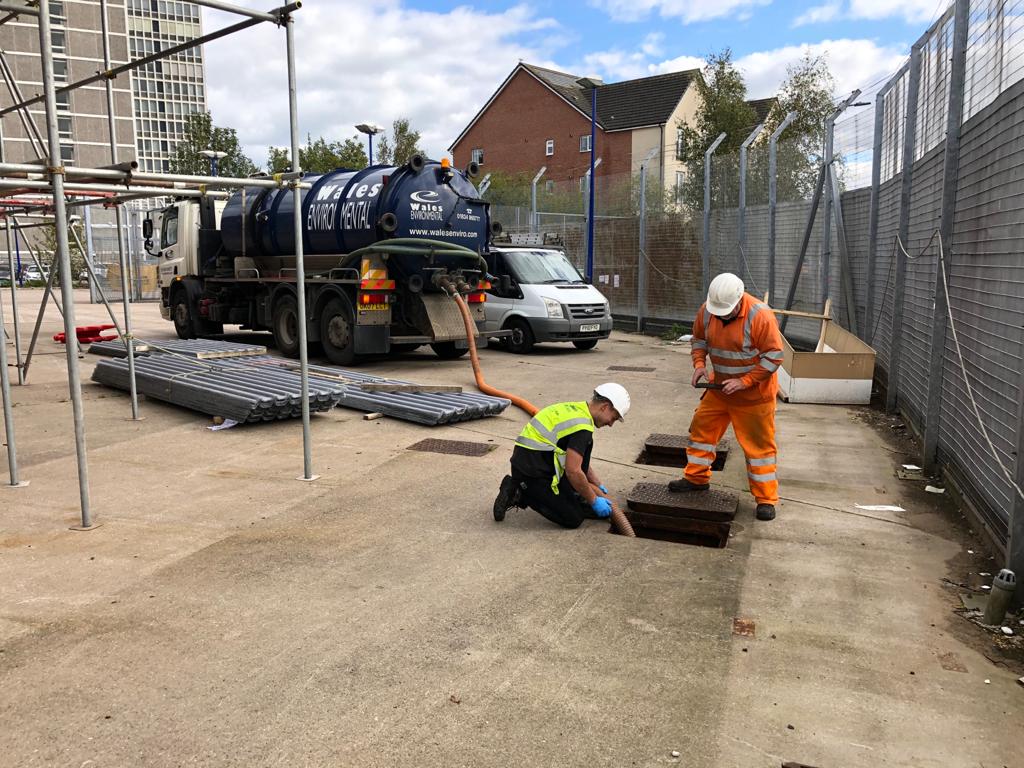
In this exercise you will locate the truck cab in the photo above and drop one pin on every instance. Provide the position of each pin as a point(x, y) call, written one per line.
point(543, 298)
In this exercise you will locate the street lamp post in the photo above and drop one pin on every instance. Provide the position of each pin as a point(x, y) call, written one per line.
point(371, 130)
point(592, 83)
point(213, 156)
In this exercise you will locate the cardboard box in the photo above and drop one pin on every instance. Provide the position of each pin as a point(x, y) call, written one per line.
point(839, 373)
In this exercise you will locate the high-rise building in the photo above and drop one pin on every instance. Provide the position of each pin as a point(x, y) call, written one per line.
point(165, 92)
point(77, 45)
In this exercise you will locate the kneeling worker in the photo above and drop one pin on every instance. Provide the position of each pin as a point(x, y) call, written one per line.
point(551, 469)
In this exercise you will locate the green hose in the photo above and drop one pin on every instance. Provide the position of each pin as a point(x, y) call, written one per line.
point(414, 246)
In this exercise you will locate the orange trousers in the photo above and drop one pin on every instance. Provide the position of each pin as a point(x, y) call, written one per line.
point(754, 426)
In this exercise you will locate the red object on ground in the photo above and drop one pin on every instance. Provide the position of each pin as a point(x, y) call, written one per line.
point(86, 334)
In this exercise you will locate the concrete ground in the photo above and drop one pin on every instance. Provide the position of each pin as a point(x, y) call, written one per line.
point(227, 614)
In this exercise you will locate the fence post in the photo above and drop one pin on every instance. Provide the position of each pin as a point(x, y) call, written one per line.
point(641, 274)
point(876, 183)
point(741, 257)
point(773, 191)
point(906, 185)
point(1015, 548)
point(706, 250)
point(825, 265)
point(950, 177)
point(534, 224)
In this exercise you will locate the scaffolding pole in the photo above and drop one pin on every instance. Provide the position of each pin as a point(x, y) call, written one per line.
point(56, 172)
point(126, 335)
point(14, 303)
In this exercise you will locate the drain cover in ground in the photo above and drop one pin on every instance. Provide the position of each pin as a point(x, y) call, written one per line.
point(454, 447)
point(632, 368)
point(657, 499)
point(665, 450)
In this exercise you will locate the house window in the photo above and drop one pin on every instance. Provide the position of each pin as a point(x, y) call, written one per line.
point(679, 186)
point(585, 143)
point(64, 127)
point(549, 186)
point(57, 12)
point(67, 152)
point(583, 183)
point(477, 156)
point(680, 144)
point(64, 101)
point(549, 147)
point(60, 70)
point(58, 41)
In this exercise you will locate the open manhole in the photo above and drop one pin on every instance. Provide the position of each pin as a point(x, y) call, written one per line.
point(453, 447)
point(632, 368)
point(703, 518)
point(664, 450)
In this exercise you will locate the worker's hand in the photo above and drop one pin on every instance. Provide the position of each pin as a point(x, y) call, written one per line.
point(603, 489)
point(602, 507)
point(700, 373)
point(733, 385)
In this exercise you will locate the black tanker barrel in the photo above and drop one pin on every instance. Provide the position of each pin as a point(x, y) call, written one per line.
point(346, 210)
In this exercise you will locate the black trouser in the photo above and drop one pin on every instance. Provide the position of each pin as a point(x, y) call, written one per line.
point(565, 508)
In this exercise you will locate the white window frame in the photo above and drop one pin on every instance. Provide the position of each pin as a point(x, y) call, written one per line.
point(549, 147)
point(477, 155)
point(585, 142)
point(680, 178)
point(680, 144)
point(549, 186)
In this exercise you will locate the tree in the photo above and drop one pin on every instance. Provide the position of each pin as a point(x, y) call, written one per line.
point(723, 109)
point(48, 244)
point(809, 91)
point(200, 134)
point(402, 145)
point(320, 156)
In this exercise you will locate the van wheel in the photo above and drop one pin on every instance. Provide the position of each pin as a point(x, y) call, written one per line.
point(336, 332)
point(285, 326)
point(585, 343)
point(447, 350)
point(522, 339)
point(181, 312)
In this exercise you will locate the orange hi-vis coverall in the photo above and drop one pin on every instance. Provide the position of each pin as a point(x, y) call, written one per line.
point(747, 347)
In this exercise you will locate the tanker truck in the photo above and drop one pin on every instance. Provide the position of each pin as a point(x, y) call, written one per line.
point(382, 248)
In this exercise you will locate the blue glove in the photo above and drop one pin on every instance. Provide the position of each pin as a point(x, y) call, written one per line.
point(603, 489)
point(602, 507)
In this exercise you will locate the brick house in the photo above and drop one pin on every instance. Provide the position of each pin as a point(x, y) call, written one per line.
point(540, 117)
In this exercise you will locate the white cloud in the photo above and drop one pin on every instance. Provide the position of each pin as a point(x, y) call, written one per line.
point(912, 11)
point(854, 64)
point(687, 11)
point(359, 62)
point(819, 14)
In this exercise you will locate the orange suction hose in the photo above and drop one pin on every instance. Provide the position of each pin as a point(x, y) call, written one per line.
point(619, 520)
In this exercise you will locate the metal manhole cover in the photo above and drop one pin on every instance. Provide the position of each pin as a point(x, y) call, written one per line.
point(656, 498)
point(454, 447)
point(632, 368)
point(661, 443)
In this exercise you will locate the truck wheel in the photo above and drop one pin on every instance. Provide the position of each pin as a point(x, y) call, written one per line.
point(447, 350)
point(336, 333)
point(522, 339)
point(285, 326)
point(585, 343)
point(181, 313)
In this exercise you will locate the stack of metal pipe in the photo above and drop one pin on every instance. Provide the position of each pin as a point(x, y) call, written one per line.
point(201, 349)
point(220, 388)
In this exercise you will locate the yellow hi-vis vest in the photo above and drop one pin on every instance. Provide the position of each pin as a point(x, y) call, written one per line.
point(550, 425)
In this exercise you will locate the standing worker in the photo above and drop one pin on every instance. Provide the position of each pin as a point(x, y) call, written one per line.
point(742, 339)
point(551, 469)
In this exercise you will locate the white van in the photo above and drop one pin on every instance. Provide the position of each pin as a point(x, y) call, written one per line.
point(540, 297)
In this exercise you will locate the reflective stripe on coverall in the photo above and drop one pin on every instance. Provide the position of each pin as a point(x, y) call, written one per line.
point(550, 425)
point(749, 348)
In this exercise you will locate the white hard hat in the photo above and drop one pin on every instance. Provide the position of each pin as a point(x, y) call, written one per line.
point(724, 294)
point(618, 396)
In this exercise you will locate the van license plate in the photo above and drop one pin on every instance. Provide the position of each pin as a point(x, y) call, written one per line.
point(589, 328)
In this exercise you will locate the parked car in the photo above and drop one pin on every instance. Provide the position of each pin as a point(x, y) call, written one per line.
point(542, 297)
point(30, 274)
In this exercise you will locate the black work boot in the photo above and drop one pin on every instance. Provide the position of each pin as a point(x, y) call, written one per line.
point(508, 497)
point(765, 512)
point(682, 484)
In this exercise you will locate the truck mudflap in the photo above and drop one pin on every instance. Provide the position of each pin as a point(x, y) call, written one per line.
point(372, 339)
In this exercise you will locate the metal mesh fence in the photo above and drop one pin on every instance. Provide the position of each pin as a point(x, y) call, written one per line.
point(890, 234)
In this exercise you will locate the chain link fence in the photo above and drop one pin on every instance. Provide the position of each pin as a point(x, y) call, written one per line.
point(927, 166)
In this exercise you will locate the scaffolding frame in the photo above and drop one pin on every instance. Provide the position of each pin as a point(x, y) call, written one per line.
point(51, 188)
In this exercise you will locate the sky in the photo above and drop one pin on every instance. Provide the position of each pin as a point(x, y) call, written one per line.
point(437, 62)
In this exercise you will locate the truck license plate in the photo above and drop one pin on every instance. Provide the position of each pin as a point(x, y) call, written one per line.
point(589, 328)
